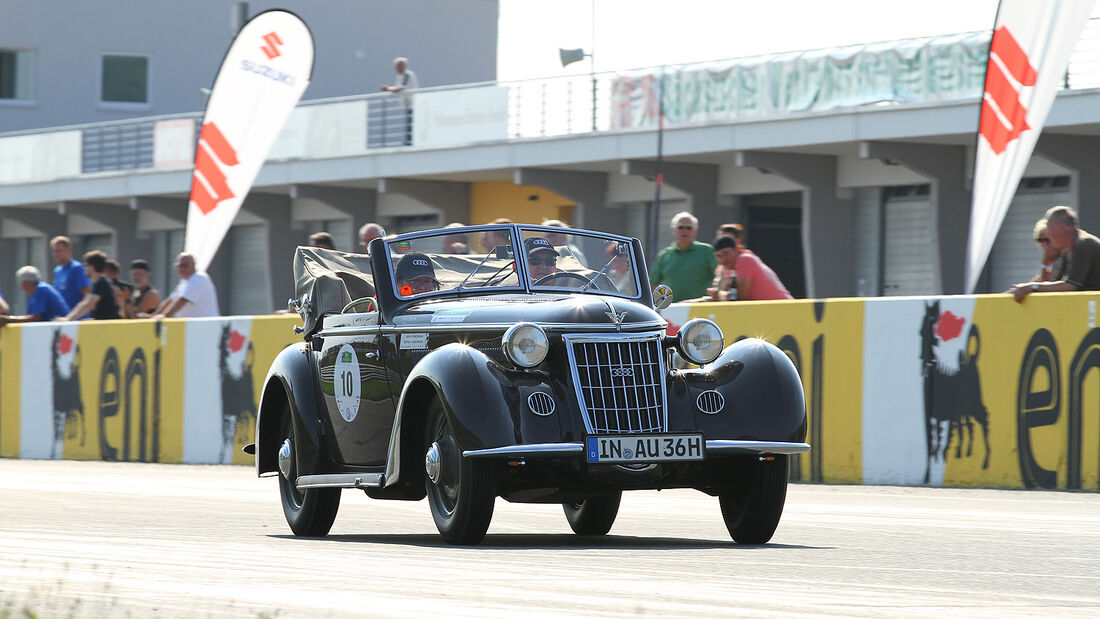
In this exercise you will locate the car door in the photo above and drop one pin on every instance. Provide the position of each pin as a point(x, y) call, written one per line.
point(356, 386)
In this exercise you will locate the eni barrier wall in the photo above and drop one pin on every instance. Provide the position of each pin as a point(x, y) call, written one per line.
point(951, 391)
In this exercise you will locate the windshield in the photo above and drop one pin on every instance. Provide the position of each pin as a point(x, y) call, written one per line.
point(484, 257)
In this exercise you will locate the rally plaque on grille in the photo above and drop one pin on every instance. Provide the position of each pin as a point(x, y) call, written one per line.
point(604, 448)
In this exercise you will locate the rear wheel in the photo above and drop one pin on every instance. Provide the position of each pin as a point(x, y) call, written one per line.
point(461, 491)
point(753, 507)
point(309, 512)
point(594, 515)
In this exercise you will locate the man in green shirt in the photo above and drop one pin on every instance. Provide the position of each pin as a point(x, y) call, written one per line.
point(687, 266)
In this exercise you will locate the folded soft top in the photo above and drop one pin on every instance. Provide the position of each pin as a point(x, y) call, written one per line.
point(332, 279)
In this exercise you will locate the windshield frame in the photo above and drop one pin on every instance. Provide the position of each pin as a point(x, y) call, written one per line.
point(516, 236)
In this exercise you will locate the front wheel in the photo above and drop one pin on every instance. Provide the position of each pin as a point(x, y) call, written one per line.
point(461, 491)
point(751, 509)
point(594, 515)
point(309, 512)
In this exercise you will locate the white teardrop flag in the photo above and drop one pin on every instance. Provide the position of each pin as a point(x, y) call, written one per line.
point(264, 73)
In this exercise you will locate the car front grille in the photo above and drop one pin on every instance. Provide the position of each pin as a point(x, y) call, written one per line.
point(619, 382)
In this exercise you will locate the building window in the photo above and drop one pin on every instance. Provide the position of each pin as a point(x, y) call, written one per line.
point(16, 74)
point(125, 79)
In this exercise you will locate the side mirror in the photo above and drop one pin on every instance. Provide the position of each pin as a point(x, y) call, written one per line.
point(662, 297)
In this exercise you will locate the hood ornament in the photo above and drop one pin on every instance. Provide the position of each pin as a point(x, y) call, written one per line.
point(616, 318)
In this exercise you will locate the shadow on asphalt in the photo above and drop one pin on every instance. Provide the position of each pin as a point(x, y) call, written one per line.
point(565, 541)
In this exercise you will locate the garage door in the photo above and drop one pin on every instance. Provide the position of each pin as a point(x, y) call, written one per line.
point(248, 290)
point(910, 249)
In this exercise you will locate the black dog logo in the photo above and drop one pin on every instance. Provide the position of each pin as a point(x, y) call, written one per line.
point(238, 400)
point(951, 396)
point(68, 406)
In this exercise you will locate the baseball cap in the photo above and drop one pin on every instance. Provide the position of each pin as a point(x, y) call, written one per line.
point(414, 265)
point(139, 264)
point(537, 243)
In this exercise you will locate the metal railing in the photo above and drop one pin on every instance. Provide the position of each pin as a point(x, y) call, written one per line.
point(810, 81)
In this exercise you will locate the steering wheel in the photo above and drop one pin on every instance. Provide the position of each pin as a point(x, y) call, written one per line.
point(562, 275)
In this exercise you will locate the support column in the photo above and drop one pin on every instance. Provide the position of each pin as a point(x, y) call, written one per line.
point(282, 241)
point(698, 180)
point(452, 198)
point(828, 232)
point(945, 168)
point(1080, 154)
point(121, 219)
point(359, 204)
point(587, 189)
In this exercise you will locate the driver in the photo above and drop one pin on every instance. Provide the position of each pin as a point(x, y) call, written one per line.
point(415, 275)
point(542, 258)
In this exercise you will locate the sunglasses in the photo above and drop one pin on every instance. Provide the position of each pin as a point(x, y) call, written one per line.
point(1042, 239)
point(548, 262)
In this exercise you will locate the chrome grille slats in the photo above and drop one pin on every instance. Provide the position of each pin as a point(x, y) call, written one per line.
point(619, 382)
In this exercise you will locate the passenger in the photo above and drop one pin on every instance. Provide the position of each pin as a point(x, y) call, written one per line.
point(415, 274)
point(542, 258)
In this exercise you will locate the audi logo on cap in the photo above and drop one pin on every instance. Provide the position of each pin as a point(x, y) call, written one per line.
point(541, 242)
point(420, 263)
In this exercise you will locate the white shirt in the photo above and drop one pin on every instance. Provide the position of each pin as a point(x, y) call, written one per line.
point(406, 81)
point(199, 290)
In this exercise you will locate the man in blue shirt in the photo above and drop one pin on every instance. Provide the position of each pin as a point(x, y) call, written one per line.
point(44, 303)
point(69, 277)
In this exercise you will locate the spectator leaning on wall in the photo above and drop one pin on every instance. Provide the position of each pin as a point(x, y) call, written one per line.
point(44, 302)
point(194, 296)
point(100, 301)
point(1081, 251)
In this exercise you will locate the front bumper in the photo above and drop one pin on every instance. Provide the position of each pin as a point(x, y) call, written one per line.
point(713, 448)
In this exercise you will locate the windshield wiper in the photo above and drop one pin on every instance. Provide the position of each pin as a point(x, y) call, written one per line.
point(492, 252)
point(620, 249)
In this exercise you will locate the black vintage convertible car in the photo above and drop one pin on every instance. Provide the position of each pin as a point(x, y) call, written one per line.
point(523, 362)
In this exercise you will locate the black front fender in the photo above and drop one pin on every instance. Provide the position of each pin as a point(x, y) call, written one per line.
point(763, 394)
point(290, 388)
point(478, 395)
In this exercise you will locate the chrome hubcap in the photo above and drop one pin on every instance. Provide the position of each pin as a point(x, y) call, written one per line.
point(431, 463)
point(286, 459)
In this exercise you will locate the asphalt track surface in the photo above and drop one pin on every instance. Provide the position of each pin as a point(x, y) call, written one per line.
point(92, 539)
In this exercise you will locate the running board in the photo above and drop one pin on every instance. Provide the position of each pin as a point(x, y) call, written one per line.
point(341, 480)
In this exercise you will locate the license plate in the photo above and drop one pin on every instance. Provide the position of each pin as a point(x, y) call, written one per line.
point(644, 448)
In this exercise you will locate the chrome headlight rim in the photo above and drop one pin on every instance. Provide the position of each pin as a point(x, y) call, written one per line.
point(511, 338)
point(687, 330)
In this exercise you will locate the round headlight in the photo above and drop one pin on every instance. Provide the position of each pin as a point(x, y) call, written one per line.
point(700, 341)
point(525, 344)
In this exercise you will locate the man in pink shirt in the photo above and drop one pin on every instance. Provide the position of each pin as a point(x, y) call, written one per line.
point(755, 280)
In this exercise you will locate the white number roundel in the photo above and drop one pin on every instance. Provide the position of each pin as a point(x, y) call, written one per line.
point(345, 382)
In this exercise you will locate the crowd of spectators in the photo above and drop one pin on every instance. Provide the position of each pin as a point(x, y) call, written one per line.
point(92, 289)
